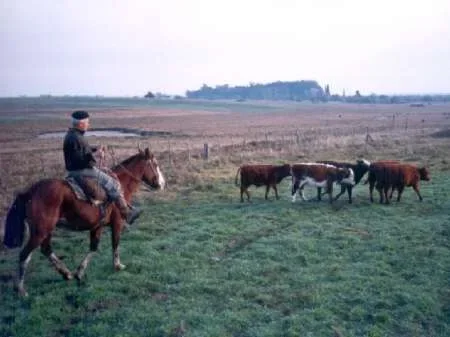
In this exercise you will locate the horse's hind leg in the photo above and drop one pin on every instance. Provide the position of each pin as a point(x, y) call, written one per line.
point(46, 249)
point(24, 259)
point(94, 240)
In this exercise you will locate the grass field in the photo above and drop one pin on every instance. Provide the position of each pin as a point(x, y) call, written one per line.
point(200, 263)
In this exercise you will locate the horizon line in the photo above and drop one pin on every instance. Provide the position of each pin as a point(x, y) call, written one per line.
point(163, 95)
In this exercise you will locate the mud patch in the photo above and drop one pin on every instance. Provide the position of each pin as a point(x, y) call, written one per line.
point(441, 134)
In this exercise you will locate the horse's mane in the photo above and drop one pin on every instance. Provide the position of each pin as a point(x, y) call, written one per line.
point(125, 162)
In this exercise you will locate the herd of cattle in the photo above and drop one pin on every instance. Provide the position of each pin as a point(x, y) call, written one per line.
point(386, 176)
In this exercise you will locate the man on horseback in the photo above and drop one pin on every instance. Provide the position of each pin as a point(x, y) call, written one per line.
point(80, 162)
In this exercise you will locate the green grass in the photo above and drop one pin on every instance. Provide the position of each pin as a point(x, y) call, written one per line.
point(216, 267)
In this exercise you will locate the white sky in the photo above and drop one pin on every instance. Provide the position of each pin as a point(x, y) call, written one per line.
point(112, 47)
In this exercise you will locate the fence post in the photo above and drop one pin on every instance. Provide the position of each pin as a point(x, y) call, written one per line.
point(170, 154)
point(205, 151)
point(189, 152)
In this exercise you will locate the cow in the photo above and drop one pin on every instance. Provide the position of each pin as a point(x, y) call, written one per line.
point(261, 175)
point(359, 169)
point(318, 175)
point(372, 178)
point(393, 175)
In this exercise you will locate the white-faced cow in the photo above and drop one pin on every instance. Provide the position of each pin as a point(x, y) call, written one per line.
point(392, 175)
point(261, 175)
point(360, 168)
point(318, 175)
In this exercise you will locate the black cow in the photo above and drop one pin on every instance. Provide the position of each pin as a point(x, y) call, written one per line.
point(359, 170)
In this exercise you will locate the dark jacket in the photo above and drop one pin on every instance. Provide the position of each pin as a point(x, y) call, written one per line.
point(77, 151)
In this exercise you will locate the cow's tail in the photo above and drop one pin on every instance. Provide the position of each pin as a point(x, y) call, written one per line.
point(15, 222)
point(237, 176)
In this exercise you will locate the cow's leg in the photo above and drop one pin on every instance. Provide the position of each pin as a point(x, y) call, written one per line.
point(385, 192)
point(330, 191)
point(319, 193)
point(391, 194)
point(276, 191)
point(379, 188)
point(248, 194)
point(343, 188)
point(93, 246)
point(295, 185)
point(399, 192)
point(302, 192)
point(301, 189)
point(349, 192)
point(267, 191)
point(371, 187)
point(60, 267)
point(244, 189)
point(416, 189)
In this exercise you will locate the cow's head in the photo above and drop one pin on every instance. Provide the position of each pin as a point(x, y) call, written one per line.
point(363, 163)
point(362, 166)
point(424, 174)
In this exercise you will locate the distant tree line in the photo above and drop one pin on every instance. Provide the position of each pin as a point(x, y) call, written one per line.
point(304, 90)
point(297, 90)
point(414, 100)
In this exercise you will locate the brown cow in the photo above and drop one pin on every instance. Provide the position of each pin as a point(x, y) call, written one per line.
point(318, 175)
point(261, 175)
point(372, 178)
point(392, 175)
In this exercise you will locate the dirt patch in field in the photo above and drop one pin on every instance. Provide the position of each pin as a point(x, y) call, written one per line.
point(441, 134)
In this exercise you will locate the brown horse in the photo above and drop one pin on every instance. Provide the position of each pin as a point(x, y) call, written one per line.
point(45, 202)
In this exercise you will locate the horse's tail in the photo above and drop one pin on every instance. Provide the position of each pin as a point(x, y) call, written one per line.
point(236, 178)
point(15, 222)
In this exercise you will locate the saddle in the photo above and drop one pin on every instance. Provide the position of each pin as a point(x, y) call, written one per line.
point(88, 189)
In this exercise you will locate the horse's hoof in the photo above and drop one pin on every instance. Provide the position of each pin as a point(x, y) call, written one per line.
point(22, 292)
point(78, 276)
point(68, 276)
point(119, 267)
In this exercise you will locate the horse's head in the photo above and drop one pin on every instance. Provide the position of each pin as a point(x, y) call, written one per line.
point(142, 167)
point(152, 175)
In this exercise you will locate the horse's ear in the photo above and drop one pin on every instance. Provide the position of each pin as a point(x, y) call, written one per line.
point(139, 148)
point(147, 153)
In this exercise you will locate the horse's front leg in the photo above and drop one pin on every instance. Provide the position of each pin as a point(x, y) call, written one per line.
point(46, 249)
point(116, 228)
point(94, 240)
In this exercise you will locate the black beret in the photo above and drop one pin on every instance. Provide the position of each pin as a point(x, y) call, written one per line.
point(80, 114)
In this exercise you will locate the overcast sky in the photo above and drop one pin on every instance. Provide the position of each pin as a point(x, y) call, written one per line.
point(125, 48)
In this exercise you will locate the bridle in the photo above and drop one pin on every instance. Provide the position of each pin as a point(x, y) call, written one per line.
point(131, 174)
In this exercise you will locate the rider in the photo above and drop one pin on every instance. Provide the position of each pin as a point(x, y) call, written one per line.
point(80, 162)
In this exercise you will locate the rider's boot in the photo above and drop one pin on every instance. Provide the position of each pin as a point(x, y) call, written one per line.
point(129, 213)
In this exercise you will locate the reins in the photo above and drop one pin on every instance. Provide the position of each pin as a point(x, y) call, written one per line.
point(127, 171)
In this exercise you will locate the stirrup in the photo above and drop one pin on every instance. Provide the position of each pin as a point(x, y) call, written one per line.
point(133, 215)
